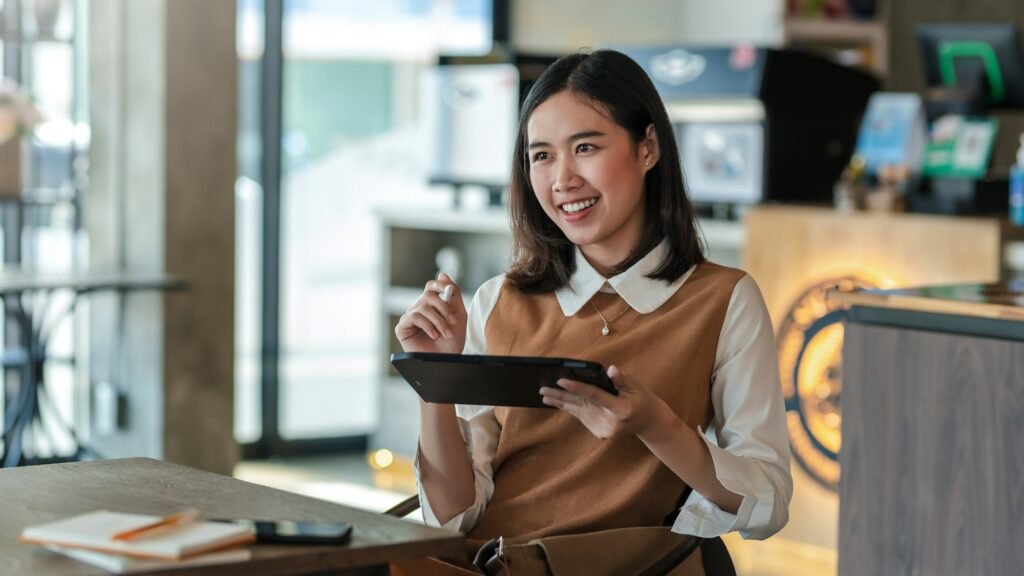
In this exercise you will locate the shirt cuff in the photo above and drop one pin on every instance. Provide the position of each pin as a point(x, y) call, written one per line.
point(701, 517)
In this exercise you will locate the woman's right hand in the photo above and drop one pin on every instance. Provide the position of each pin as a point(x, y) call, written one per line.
point(433, 325)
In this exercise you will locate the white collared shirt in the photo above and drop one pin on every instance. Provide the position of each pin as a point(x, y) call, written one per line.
point(748, 444)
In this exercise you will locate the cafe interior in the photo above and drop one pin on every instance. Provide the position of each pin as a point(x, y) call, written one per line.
point(213, 214)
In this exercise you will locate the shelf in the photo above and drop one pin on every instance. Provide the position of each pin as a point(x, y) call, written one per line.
point(723, 234)
point(46, 196)
point(870, 36)
point(49, 39)
point(822, 30)
point(480, 222)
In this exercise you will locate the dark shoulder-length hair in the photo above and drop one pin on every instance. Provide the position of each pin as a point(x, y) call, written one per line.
point(543, 258)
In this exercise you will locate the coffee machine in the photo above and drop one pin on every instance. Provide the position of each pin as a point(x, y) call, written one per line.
point(758, 125)
point(470, 107)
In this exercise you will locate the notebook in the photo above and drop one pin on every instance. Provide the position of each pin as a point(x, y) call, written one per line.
point(125, 565)
point(93, 531)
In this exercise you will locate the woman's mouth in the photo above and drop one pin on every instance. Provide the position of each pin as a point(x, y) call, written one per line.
point(577, 210)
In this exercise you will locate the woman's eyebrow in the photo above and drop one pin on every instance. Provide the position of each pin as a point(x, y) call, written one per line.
point(585, 134)
point(577, 136)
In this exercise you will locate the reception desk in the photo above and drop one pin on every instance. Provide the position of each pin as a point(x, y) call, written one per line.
point(932, 428)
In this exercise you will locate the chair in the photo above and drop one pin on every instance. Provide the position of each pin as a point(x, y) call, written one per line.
point(714, 554)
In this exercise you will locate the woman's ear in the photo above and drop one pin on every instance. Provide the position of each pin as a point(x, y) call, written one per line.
point(649, 149)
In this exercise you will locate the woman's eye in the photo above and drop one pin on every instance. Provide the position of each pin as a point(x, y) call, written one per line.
point(540, 156)
point(584, 148)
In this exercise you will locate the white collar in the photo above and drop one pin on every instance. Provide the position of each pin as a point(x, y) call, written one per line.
point(643, 294)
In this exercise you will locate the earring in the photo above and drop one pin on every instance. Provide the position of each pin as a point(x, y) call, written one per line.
point(647, 163)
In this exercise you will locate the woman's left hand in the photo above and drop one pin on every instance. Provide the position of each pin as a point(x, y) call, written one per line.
point(604, 414)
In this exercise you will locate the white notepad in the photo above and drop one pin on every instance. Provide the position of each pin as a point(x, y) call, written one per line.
point(125, 565)
point(93, 531)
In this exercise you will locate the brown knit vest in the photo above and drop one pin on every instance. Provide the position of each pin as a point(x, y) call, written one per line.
point(551, 475)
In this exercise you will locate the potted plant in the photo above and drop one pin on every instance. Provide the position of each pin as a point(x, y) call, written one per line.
point(18, 117)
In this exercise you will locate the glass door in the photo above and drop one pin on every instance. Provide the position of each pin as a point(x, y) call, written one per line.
point(349, 141)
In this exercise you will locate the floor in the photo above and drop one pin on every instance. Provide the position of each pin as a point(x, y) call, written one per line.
point(362, 482)
point(351, 480)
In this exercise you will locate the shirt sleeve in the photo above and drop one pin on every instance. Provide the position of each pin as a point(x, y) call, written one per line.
point(749, 444)
point(478, 425)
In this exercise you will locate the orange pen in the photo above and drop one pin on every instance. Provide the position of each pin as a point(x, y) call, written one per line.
point(158, 526)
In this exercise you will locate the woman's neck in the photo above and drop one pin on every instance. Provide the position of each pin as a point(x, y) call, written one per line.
point(604, 261)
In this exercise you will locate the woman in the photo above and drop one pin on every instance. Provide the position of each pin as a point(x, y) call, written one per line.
point(608, 267)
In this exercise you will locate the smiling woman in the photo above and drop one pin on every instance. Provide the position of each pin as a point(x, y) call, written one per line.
point(604, 233)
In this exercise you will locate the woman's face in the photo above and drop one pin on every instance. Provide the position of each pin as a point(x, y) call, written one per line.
point(588, 175)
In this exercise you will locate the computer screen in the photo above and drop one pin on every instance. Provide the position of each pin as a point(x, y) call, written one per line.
point(981, 57)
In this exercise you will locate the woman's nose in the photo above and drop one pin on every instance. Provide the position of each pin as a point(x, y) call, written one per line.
point(567, 178)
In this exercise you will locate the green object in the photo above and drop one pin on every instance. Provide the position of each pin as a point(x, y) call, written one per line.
point(963, 150)
point(950, 51)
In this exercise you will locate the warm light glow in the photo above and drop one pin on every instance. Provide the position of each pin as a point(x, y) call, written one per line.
point(381, 459)
point(818, 373)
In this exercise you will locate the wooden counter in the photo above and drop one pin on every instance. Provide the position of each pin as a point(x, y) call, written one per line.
point(1002, 301)
point(933, 414)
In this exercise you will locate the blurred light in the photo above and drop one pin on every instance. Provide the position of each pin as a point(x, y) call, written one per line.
point(381, 459)
point(61, 132)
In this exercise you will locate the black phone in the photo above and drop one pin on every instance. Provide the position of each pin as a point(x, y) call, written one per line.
point(289, 532)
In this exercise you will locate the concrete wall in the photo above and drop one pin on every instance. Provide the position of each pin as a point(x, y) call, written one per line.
point(163, 93)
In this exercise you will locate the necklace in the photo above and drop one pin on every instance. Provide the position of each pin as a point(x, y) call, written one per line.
point(606, 330)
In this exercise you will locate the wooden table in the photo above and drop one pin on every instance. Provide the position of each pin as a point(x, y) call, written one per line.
point(37, 494)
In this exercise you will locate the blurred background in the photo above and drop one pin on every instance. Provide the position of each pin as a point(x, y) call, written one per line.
point(213, 212)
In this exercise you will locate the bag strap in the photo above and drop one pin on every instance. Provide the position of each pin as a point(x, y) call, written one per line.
point(491, 549)
point(670, 519)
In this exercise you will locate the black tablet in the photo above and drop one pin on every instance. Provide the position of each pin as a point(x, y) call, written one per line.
point(492, 380)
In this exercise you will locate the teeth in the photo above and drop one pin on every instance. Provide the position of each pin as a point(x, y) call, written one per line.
point(577, 206)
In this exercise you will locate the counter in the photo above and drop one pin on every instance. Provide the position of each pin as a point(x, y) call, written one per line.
point(933, 414)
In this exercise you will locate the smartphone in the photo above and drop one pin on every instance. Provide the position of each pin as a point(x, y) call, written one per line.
point(288, 532)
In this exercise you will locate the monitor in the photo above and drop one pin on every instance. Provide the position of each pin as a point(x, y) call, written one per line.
point(983, 60)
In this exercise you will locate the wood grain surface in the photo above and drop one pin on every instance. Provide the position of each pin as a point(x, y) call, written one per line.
point(998, 301)
point(931, 456)
point(38, 494)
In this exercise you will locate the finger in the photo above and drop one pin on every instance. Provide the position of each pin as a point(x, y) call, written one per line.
point(555, 402)
point(450, 294)
point(561, 395)
point(436, 286)
point(437, 319)
point(562, 404)
point(454, 293)
point(437, 302)
point(618, 378)
point(446, 294)
point(414, 324)
point(445, 285)
point(588, 392)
